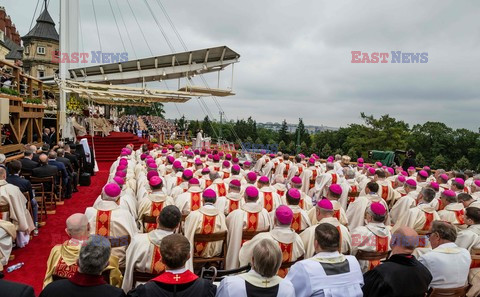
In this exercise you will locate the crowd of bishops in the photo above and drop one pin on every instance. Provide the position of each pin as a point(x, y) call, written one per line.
point(338, 227)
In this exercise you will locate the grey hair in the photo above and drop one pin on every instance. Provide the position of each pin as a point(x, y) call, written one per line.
point(214, 175)
point(349, 173)
point(428, 194)
point(330, 165)
point(3, 173)
point(267, 258)
point(94, 255)
point(445, 230)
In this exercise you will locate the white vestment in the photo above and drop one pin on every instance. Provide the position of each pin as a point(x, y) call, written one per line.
point(309, 277)
point(308, 237)
point(402, 206)
point(469, 238)
point(356, 210)
point(148, 205)
point(251, 216)
point(18, 214)
point(418, 218)
point(373, 237)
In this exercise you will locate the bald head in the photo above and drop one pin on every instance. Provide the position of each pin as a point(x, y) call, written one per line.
point(43, 159)
point(77, 226)
point(404, 240)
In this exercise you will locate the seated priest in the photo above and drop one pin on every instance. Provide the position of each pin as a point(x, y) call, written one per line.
point(88, 281)
point(289, 242)
point(177, 280)
point(262, 279)
point(249, 217)
point(143, 253)
point(62, 262)
point(8, 233)
point(107, 219)
point(206, 220)
point(15, 209)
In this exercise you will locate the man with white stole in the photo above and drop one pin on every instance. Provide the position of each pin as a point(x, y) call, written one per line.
point(309, 175)
point(420, 217)
point(190, 200)
point(453, 212)
point(305, 201)
point(324, 214)
point(17, 213)
point(143, 190)
point(262, 279)
point(233, 200)
point(408, 201)
point(175, 178)
point(279, 186)
point(385, 189)
point(353, 189)
point(373, 237)
point(469, 238)
point(334, 192)
point(284, 166)
point(126, 202)
point(218, 185)
point(235, 174)
point(143, 253)
point(62, 262)
point(325, 180)
point(328, 273)
point(268, 197)
point(129, 182)
point(300, 220)
point(249, 217)
point(448, 263)
point(107, 219)
point(206, 220)
point(153, 204)
point(290, 242)
point(475, 189)
point(8, 234)
point(356, 210)
point(183, 186)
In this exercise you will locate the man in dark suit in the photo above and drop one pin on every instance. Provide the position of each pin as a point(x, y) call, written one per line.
point(72, 157)
point(72, 174)
point(24, 185)
point(53, 136)
point(88, 280)
point(12, 289)
point(45, 170)
point(52, 160)
point(46, 136)
point(27, 163)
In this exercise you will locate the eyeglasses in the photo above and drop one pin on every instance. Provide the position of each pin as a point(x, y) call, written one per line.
point(428, 235)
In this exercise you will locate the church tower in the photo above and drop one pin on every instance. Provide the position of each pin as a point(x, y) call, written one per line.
point(40, 46)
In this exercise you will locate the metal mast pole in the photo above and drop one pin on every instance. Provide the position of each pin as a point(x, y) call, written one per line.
point(68, 44)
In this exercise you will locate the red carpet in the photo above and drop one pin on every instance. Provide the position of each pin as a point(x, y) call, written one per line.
point(35, 254)
point(108, 148)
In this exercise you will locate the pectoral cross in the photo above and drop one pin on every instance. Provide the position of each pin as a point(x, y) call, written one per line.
point(266, 282)
point(176, 277)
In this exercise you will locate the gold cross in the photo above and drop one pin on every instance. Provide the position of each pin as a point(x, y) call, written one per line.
point(266, 282)
point(176, 277)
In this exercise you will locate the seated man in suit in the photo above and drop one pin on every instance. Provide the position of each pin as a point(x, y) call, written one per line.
point(87, 281)
point(45, 170)
point(52, 160)
point(27, 163)
point(24, 185)
point(12, 289)
point(72, 174)
point(72, 157)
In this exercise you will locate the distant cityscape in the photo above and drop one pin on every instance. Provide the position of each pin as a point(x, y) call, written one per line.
point(292, 127)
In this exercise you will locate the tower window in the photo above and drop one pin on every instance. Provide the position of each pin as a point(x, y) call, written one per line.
point(41, 50)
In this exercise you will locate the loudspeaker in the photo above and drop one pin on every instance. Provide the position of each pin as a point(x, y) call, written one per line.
point(4, 109)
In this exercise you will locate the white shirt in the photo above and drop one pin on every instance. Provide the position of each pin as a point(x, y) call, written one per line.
point(448, 264)
point(309, 277)
point(234, 286)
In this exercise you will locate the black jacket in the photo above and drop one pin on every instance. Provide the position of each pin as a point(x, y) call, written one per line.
point(400, 275)
point(46, 139)
point(73, 159)
point(11, 289)
point(23, 184)
point(28, 165)
point(67, 163)
point(45, 171)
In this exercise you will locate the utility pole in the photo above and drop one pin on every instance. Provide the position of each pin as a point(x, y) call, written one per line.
point(220, 128)
point(298, 137)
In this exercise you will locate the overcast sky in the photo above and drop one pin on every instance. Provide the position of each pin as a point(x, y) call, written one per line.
point(296, 55)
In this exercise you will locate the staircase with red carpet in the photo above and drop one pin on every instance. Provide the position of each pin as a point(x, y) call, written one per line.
point(108, 148)
point(35, 254)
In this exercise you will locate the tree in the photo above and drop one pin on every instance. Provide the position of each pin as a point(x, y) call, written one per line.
point(155, 109)
point(283, 132)
point(439, 162)
point(352, 153)
point(304, 135)
point(207, 127)
point(326, 150)
point(258, 141)
point(420, 159)
point(282, 147)
point(291, 148)
point(462, 164)
point(304, 149)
